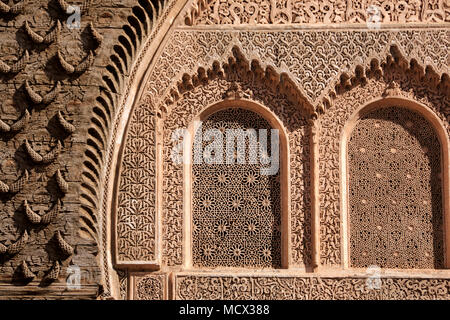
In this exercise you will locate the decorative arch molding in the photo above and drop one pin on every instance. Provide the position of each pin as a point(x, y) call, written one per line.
point(394, 63)
point(443, 136)
point(133, 52)
point(393, 80)
point(247, 71)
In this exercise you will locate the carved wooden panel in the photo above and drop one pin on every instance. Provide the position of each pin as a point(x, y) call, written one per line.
point(395, 196)
point(236, 208)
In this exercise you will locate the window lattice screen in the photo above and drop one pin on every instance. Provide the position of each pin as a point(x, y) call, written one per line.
point(395, 198)
point(236, 210)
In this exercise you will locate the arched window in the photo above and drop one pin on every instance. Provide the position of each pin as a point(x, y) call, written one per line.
point(236, 207)
point(395, 191)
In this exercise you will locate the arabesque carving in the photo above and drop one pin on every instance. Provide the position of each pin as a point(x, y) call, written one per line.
point(304, 55)
point(237, 12)
point(223, 287)
point(136, 214)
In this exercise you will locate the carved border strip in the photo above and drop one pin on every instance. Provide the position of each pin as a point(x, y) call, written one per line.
point(374, 12)
point(285, 287)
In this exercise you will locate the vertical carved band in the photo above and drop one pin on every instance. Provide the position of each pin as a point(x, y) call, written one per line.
point(136, 227)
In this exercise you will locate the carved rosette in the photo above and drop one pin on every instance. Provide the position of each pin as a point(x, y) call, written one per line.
point(149, 286)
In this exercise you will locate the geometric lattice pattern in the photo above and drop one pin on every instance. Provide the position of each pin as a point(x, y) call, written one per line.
point(395, 198)
point(236, 210)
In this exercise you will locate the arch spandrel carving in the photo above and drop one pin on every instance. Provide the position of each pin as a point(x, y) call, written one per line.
point(298, 53)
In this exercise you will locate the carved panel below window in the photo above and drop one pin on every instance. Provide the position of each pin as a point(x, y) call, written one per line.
point(149, 286)
point(395, 198)
point(236, 209)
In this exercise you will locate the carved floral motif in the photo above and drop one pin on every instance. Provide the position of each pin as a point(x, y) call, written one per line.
point(149, 287)
point(317, 62)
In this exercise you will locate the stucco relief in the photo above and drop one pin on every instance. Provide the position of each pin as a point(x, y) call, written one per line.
point(306, 63)
point(227, 287)
point(136, 212)
point(342, 47)
point(69, 93)
point(315, 59)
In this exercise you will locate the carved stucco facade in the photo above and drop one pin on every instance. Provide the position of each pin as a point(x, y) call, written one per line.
point(88, 114)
